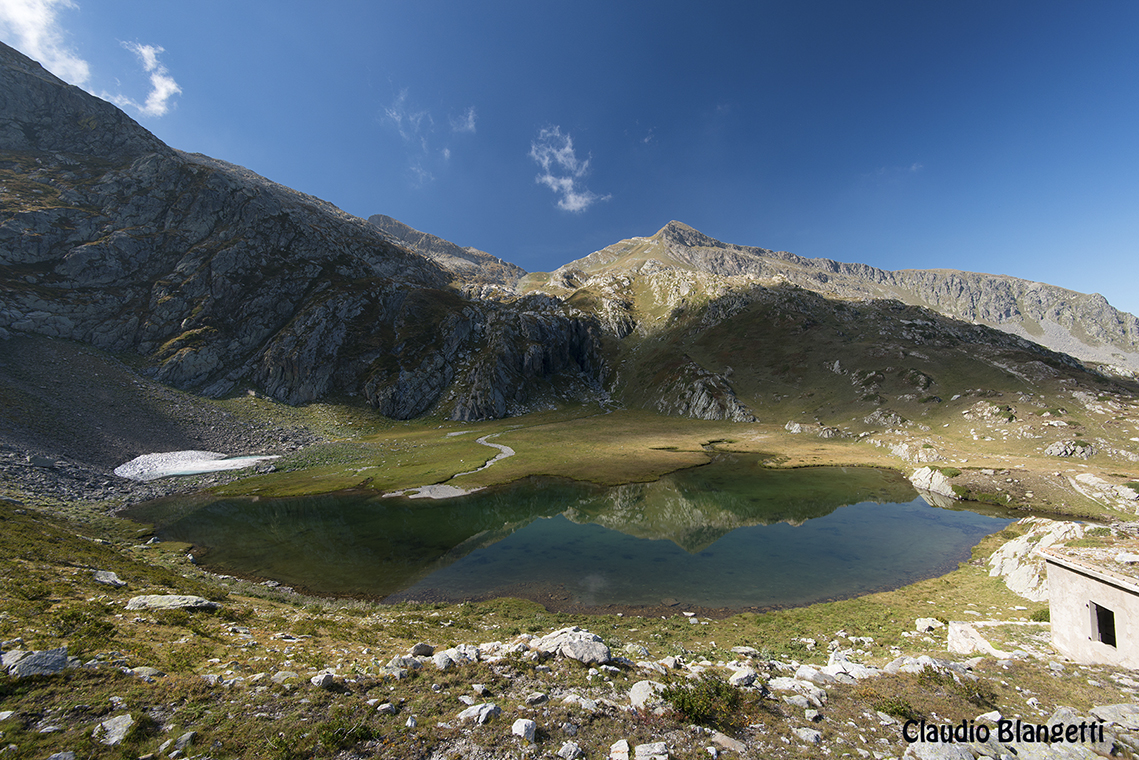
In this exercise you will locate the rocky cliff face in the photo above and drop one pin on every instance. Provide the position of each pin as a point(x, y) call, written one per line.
point(222, 278)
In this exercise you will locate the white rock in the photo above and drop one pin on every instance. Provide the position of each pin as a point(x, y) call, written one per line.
point(170, 602)
point(812, 693)
point(570, 751)
point(809, 735)
point(525, 728)
point(814, 675)
point(1125, 715)
point(575, 644)
point(934, 481)
point(323, 680)
point(619, 750)
point(743, 677)
point(651, 751)
point(1016, 561)
point(726, 742)
point(928, 624)
point(965, 639)
point(646, 694)
point(107, 578)
point(480, 713)
point(113, 730)
point(937, 751)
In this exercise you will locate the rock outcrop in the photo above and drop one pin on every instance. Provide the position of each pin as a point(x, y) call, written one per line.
point(469, 265)
point(693, 391)
point(1017, 563)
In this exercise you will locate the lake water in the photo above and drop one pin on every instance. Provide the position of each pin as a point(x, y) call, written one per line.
point(731, 534)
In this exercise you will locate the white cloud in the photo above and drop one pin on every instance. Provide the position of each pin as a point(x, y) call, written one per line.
point(31, 26)
point(426, 156)
point(562, 171)
point(162, 85)
point(413, 125)
point(465, 123)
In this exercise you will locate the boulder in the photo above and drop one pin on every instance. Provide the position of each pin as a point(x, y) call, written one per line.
point(743, 677)
point(934, 751)
point(323, 680)
point(840, 667)
point(1125, 715)
point(575, 644)
point(1019, 564)
point(651, 751)
point(619, 750)
point(808, 735)
point(41, 663)
point(113, 730)
point(570, 751)
point(107, 578)
point(925, 625)
point(525, 728)
point(965, 639)
point(480, 713)
point(813, 694)
point(645, 695)
point(1079, 449)
point(932, 480)
point(170, 602)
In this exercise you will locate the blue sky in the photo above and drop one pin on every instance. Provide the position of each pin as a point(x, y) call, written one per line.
point(996, 136)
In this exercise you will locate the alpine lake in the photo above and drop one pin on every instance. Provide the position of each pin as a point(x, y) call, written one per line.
point(729, 535)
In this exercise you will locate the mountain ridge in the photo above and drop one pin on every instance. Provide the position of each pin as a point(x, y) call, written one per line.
point(1083, 325)
point(469, 265)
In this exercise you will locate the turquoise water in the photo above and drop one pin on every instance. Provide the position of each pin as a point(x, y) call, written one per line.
point(730, 534)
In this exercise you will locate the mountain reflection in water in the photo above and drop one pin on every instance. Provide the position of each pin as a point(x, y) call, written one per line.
point(729, 534)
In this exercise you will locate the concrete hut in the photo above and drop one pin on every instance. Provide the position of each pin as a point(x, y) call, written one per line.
point(1094, 606)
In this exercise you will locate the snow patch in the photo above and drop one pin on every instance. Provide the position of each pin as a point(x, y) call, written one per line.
point(154, 466)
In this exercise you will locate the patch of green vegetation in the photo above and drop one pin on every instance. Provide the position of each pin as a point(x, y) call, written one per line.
point(890, 704)
point(707, 701)
point(345, 729)
point(978, 693)
point(1041, 616)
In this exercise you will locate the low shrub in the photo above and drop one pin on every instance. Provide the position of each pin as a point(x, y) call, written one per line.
point(709, 700)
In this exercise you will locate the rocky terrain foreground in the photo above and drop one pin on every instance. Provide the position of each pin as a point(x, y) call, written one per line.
point(121, 647)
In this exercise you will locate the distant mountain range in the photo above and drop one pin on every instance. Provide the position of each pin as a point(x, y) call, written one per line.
point(221, 280)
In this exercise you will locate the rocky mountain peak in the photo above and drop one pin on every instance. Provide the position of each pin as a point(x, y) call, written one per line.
point(680, 233)
point(41, 112)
